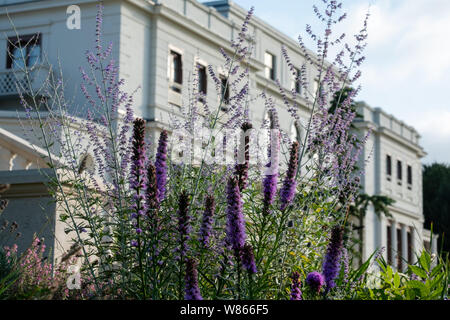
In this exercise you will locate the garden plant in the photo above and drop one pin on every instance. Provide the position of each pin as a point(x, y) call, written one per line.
point(216, 205)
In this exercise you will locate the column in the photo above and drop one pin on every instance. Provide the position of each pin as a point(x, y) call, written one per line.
point(394, 243)
point(404, 253)
point(413, 244)
point(6, 158)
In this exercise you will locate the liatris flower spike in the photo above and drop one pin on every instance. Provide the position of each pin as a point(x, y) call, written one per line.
point(332, 259)
point(248, 259)
point(235, 219)
point(192, 291)
point(161, 165)
point(315, 281)
point(205, 229)
point(183, 222)
point(287, 192)
point(296, 293)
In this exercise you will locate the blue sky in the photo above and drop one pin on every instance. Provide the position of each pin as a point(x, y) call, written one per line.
point(407, 71)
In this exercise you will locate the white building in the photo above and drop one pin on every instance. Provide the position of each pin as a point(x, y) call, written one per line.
point(157, 44)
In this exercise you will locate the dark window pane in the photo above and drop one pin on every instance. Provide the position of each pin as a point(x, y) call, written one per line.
point(388, 165)
point(23, 51)
point(225, 91)
point(409, 175)
point(399, 170)
point(202, 84)
point(177, 69)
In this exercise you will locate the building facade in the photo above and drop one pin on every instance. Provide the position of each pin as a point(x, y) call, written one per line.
point(157, 45)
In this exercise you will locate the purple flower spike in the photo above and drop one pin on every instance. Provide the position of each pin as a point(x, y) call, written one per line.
point(161, 165)
point(138, 160)
point(287, 191)
point(315, 281)
point(235, 219)
point(183, 223)
point(332, 259)
point(192, 291)
point(137, 179)
point(296, 293)
point(271, 178)
point(205, 230)
point(152, 190)
point(248, 259)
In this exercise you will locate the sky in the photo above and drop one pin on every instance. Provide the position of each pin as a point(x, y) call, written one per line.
point(407, 67)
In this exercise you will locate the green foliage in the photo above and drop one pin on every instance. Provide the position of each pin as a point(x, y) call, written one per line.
point(425, 280)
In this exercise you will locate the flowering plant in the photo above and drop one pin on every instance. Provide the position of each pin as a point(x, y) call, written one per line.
point(250, 214)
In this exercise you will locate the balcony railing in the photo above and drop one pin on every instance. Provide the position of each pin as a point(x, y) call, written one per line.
point(10, 79)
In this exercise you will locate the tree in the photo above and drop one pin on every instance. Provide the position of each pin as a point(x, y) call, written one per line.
point(436, 201)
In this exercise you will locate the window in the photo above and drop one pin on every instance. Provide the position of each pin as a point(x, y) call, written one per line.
point(399, 172)
point(388, 167)
point(297, 82)
point(202, 79)
point(409, 177)
point(23, 51)
point(225, 92)
point(317, 89)
point(176, 70)
point(389, 246)
point(269, 62)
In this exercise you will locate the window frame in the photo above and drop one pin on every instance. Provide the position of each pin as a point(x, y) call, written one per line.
point(409, 176)
point(175, 79)
point(270, 71)
point(23, 41)
point(200, 65)
point(399, 172)
point(388, 167)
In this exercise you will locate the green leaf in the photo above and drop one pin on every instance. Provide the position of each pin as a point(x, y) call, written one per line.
point(396, 280)
point(418, 271)
point(436, 270)
point(424, 261)
point(416, 284)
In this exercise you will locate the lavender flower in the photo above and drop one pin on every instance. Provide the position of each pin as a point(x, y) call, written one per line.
point(345, 265)
point(332, 259)
point(205, 229)
point(183, 223)
point(235, 219)
point(287, 191)
point(192, 291)
point(315, 281)
point(248, 259)
point(161, 165)
point(296, 293)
